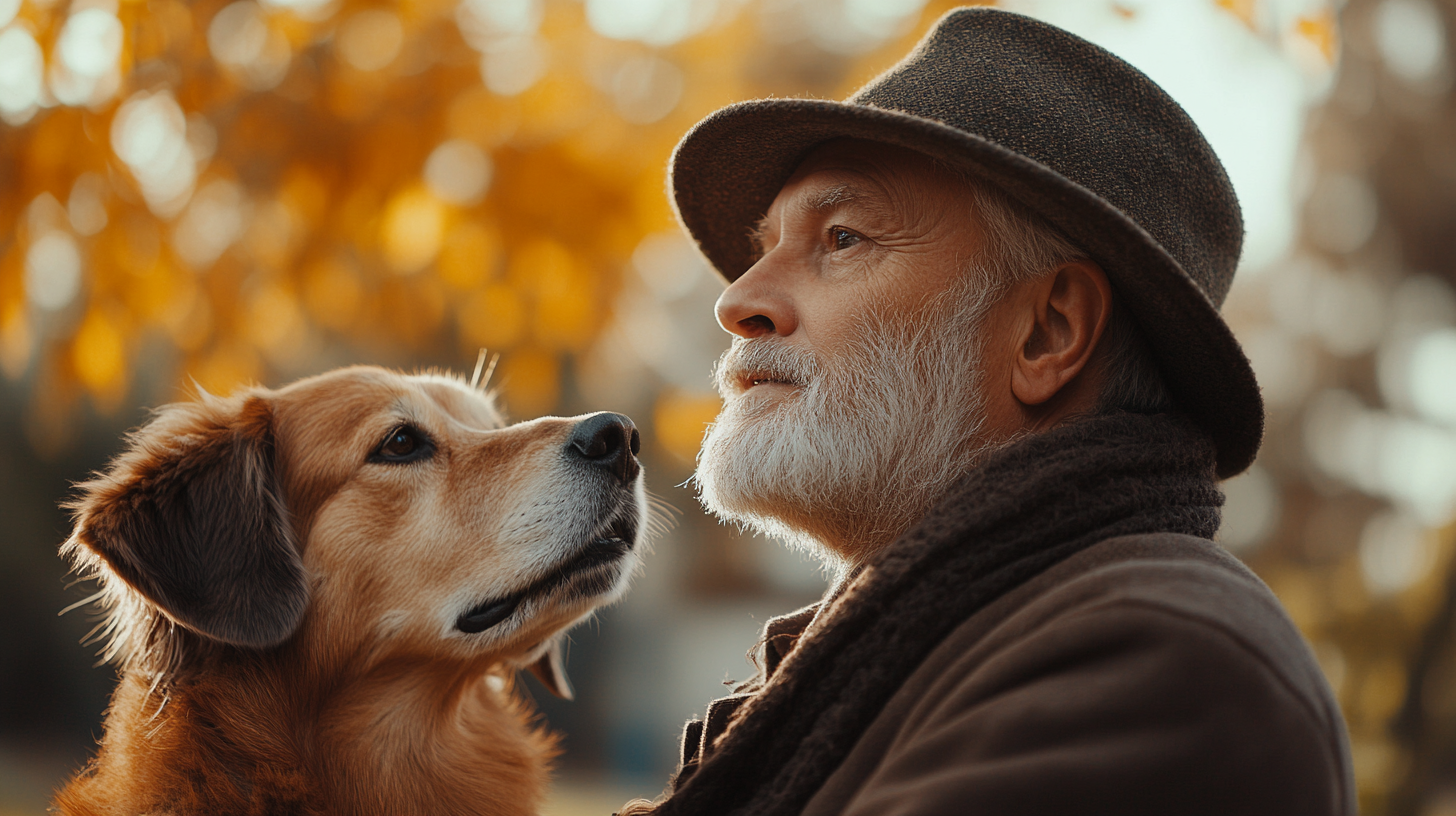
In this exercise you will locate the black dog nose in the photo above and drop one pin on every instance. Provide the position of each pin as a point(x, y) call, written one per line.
point(608, 441)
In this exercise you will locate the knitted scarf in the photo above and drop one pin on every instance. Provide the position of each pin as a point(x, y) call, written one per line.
point(1025, 508)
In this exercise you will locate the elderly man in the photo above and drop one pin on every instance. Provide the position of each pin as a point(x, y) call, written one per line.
point(978, 363)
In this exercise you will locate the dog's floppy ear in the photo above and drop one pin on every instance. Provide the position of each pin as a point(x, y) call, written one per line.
point(550, 669)
point(191, 517)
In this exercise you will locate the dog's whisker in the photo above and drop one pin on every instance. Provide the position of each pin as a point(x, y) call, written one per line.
point(657, 502)
point(656, 526)
point(661, 516)
point(489, 372)
point(479, 367)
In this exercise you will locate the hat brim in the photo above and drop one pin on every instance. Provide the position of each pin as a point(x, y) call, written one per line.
point(727, 170)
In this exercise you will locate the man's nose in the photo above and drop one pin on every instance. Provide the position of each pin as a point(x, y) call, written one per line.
point(756, 304)
point(608, 441)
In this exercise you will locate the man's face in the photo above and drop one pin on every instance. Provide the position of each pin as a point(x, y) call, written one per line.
point(859, 226)
point(853, 389)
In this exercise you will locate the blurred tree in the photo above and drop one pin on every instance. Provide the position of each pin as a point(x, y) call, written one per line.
point(227, 192)
point(1348, 337)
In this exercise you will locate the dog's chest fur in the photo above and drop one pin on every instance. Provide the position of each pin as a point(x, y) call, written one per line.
point(237, 745)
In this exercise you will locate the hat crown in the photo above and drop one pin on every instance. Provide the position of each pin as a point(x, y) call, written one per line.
point(1072, 106)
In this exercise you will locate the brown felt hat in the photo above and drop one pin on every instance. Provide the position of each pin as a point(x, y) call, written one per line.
point(1059, 124)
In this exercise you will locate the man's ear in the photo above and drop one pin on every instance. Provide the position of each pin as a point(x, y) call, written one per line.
point(1070, 309)
point(191, 517)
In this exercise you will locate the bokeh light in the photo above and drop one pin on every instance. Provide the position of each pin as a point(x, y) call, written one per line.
point(458, 172)
point(53, 271)
point(149, 134)
point(1411, 38)
point(21, 68)
point(87, 52)
point(370, 40)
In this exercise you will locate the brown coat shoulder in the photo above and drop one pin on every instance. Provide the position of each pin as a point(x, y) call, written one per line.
point(1147, 674)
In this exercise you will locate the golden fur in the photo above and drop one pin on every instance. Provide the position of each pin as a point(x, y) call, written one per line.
point(284, 604)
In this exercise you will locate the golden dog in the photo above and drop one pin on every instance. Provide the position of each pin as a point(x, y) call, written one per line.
point(318, 596)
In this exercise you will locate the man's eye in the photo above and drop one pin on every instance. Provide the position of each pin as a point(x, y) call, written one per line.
point(843, 238)
point(403, 444)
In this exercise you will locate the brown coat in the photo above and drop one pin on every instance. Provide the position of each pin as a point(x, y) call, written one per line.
point(1145, 671)
point(1146, 674)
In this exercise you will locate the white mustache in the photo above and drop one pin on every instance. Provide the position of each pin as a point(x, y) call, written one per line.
point(758, 359)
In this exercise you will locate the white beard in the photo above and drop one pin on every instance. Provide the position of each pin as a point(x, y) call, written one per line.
point(866, 442)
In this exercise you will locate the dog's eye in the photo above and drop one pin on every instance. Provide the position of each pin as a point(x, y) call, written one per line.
point(403, 444)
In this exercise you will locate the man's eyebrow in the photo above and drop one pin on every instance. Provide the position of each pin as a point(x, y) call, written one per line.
point(830, 197)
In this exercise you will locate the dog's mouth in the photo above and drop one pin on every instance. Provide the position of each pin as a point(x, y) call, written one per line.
point(583, 571)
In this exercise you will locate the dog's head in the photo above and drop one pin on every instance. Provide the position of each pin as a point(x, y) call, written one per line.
point(384, 515)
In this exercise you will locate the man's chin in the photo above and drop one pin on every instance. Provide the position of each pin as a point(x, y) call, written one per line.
point(734, 475)
point(744, 483)
point(761, 513)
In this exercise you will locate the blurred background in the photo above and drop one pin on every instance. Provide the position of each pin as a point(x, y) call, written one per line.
point(225, 192)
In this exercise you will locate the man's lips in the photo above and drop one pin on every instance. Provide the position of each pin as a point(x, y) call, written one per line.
point(753, 380)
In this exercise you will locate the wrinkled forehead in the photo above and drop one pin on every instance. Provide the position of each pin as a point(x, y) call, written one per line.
point(828, 177)
point(881, 178)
